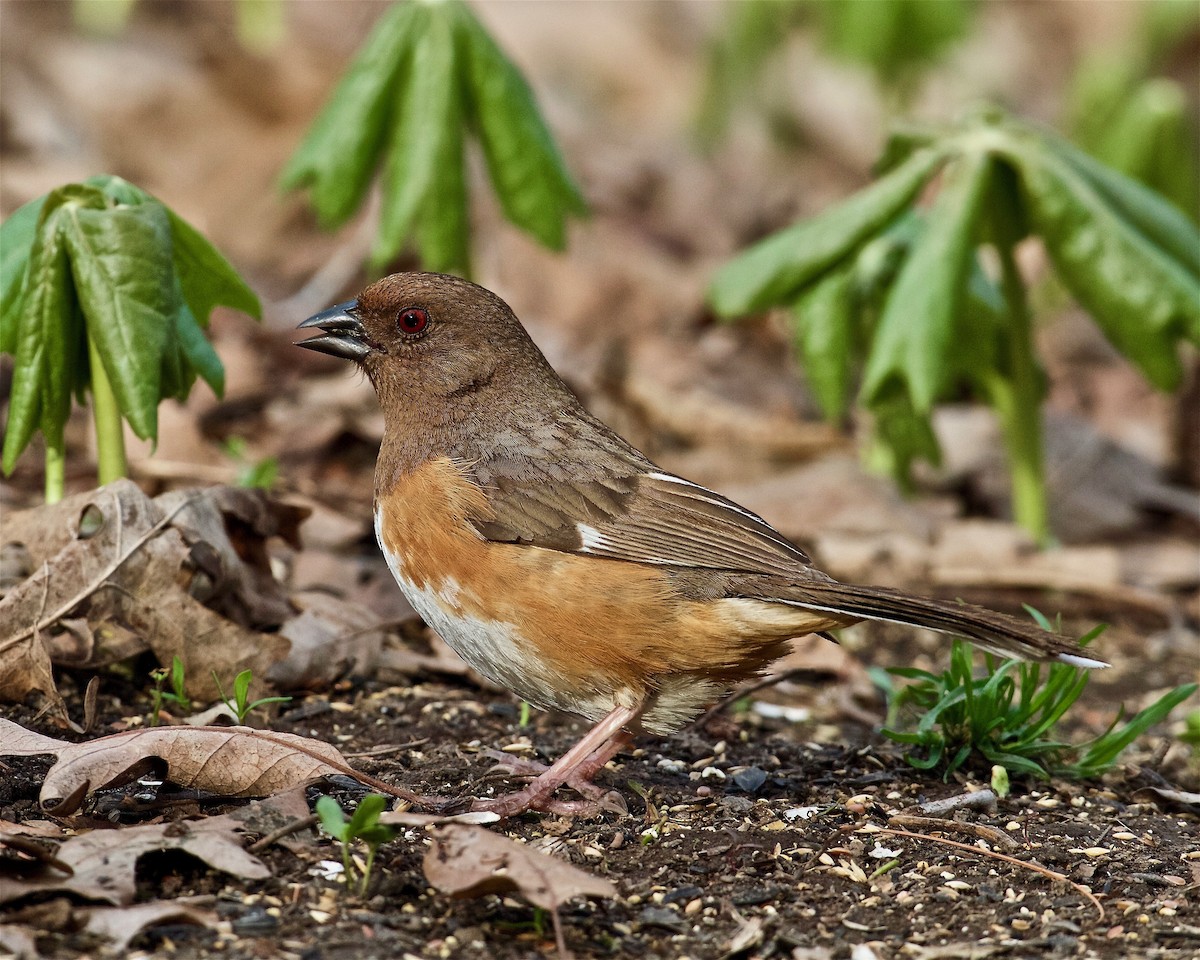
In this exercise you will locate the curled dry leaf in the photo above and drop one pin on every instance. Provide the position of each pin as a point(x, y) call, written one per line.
point(104, 862)
point(468, 861)
point(120, 925)
point(232, 761)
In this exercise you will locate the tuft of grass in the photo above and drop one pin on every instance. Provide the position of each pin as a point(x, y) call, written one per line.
point(240, 703)
point(177, 695)
point(1007, 716)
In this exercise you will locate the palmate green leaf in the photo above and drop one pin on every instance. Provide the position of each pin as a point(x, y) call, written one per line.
point(41, 388)
point(823, 321)
point(900, 436)
point(443, 227)
point(121, 262)
point(918, 328)
point(893, 37)
point(776, 269)
point(535, 189)
point(199, 353)
point(206, 278)
point(1141, 297)
point(1161, 222)
point(425, 134)
point(339, 155)
point(16, 239)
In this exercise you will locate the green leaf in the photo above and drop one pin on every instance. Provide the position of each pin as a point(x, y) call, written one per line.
point(206, 278)
point(899, 437)
point(366, 814)
point(241, 686)
point(443, 229)
point(333, 820)
point(121, 262)
point(824, 334)
point(917, 331)
point(339, 154)
point(893, 37)
point(119, 189)
point(43, 340)
point(1161, 222)
point(776, 269)
point(426, 137)
point(531, 179)
point(1141, 296)
point(16, 240)
point(198, 351)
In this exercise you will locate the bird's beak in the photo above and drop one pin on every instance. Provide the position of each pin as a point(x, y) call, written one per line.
point(343, 332)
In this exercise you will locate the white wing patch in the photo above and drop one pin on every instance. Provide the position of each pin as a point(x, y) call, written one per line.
point(589, 538)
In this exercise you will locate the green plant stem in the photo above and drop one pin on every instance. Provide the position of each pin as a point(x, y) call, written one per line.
point(56, 472)
point(110, 435)
point(1019, 405)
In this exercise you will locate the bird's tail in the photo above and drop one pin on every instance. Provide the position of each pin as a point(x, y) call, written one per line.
point(999, 633)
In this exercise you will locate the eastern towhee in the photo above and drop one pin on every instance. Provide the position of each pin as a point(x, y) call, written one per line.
point(559, 561)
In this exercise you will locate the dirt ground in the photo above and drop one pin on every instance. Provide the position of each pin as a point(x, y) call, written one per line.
point(768, 830)
point(744, 837)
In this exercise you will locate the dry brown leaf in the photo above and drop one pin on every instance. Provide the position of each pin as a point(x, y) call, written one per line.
point(330, 638)
point(227, 529)
point(104, 862)
point(121, 924)
point(468, 861)
point(135, 568)
point(232, 761)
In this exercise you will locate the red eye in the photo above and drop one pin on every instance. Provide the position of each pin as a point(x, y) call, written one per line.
point(413, 320)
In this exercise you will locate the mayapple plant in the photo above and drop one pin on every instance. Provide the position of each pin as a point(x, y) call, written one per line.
point(428, 75)
point(899, 286)
point(103, 289)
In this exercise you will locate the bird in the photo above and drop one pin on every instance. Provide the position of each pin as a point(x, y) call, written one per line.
point(563, 564)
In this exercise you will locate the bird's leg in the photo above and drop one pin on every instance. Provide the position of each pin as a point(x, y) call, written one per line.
point(575, 768)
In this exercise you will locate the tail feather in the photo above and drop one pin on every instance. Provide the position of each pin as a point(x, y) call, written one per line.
point(999, 633)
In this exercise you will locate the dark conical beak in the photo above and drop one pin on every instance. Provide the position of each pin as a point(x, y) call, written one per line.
point(343, 332)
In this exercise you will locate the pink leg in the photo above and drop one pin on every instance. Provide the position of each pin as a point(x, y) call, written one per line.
point(575, 768)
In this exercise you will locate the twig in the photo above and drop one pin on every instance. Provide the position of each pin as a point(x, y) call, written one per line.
point(1035, 867)
point(303, 823)
point(978, 830)
point(981, 799)
point(384, 751)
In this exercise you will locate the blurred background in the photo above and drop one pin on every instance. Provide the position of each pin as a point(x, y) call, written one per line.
point(693, 129)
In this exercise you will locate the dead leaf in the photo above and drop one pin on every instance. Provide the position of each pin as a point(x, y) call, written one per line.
point(1169, 799)
point(329, 639)
point(134, 568)
point(467, 861)
point(120, 925)
point(227, 529)
point(232, 761)
point(105, 861)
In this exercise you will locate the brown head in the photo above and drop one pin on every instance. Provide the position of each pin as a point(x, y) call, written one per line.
point(450, 362)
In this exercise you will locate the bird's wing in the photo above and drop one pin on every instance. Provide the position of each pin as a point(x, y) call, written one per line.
point(637, 514)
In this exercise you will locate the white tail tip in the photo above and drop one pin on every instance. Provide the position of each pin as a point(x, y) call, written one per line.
point(1085, 662)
